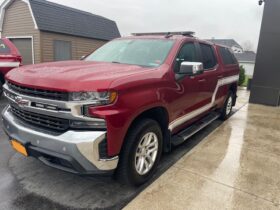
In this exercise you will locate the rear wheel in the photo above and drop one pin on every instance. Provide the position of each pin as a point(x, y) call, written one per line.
point(141, 153)
point(227, 108)
point(1, 88)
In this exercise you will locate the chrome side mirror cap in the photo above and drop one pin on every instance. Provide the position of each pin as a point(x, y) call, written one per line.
point(191, 68)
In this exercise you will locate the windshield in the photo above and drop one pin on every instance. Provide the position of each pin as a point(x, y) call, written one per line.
point(142, 52)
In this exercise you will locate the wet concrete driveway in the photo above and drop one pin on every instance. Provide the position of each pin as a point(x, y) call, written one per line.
point(236, 167)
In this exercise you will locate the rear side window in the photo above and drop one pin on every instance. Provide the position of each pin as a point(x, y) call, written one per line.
point(227, 56)
point(4, 49)
point(208, 56)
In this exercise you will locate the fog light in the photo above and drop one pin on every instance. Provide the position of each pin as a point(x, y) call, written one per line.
point(100, 124)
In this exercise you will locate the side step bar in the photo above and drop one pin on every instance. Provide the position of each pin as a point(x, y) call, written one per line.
point(193, 129)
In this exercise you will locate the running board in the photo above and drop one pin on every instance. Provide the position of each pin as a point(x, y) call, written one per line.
point(193, 129)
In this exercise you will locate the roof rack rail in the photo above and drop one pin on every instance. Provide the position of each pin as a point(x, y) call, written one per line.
point(166, 34)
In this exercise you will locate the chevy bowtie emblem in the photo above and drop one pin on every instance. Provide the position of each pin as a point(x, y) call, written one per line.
point(20, 101)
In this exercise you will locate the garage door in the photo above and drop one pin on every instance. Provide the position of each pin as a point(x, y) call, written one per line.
point(24, 45)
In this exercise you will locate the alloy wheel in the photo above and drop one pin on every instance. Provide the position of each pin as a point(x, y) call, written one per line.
point(146, 153)
point(229, 106)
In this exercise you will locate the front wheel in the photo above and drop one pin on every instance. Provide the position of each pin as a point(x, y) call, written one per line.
point(227, 108)
point(141, 153)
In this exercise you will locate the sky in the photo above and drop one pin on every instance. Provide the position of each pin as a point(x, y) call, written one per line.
point(238, 19)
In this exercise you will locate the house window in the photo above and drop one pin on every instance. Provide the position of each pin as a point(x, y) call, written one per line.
point(62, 50)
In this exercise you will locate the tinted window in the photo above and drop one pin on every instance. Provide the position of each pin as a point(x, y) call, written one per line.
point(3, 47)
point(227, 57)
point(208, 56)
point(187, 53)
point(143, 52)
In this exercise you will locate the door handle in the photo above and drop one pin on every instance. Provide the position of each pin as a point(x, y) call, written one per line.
point(202, 80)
point(220, 76)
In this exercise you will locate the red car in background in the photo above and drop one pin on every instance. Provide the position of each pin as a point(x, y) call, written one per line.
point(9, 58)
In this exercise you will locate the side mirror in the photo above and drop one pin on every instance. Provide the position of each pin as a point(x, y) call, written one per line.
point(191, 68)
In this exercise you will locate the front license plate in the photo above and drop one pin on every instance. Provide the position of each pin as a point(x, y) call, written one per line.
point(19, 147)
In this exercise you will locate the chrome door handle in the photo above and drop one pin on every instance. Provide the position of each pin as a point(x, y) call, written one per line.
point(220, 77)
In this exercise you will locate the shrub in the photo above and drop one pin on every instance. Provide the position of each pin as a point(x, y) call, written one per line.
point(242, 76)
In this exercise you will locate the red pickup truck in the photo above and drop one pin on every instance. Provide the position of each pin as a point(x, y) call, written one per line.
point(122, 106)
point(9, 59)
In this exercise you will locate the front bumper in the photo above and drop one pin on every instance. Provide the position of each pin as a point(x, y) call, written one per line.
point(72, 151)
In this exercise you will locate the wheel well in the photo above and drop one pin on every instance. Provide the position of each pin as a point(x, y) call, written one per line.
point(160, 115)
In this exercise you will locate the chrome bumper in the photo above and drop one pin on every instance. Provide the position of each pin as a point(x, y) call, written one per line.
point(80, 146)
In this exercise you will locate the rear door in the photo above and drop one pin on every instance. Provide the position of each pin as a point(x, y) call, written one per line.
point(230, 66)
point(208, 81)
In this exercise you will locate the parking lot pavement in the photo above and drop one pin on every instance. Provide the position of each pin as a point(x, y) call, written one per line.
point(236, 167)
point(28, 184)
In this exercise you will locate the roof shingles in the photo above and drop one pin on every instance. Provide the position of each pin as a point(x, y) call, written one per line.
point(57, 18)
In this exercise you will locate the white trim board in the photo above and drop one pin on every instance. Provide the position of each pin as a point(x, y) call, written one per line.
point(7, 3)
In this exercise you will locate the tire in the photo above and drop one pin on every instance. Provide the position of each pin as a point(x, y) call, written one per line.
point(227, 108)
point(1, 89)
point(129, 169)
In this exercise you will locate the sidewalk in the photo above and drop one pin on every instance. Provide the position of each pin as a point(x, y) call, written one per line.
point(235, 167)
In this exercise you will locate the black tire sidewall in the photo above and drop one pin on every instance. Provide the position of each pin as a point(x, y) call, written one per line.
point(143, 127)
point(224, 115)
point(1, 89)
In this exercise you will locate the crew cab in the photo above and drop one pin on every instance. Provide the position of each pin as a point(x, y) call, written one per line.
point(120, 108)
point(9, 58)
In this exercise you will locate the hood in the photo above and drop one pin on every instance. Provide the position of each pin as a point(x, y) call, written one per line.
point(72, 76)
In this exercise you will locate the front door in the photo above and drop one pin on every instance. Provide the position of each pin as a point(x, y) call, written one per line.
point(187, 89)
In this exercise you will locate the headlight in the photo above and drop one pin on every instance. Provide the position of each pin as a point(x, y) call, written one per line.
point(97, 98)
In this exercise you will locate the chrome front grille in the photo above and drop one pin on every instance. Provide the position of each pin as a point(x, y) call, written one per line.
point(52, 123)
point(53, 114)
point(54, 95)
